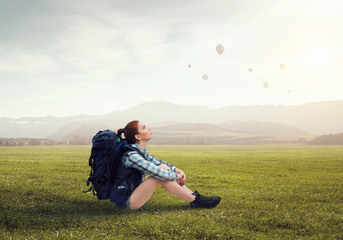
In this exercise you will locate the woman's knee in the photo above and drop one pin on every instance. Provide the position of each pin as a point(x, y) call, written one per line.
point(143, 192)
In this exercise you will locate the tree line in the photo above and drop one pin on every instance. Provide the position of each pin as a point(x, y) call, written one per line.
point(77, 140)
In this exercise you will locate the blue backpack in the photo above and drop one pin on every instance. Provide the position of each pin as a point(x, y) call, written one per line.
point(106, 153)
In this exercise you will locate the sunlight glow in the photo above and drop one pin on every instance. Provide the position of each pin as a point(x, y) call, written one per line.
point(317, 56)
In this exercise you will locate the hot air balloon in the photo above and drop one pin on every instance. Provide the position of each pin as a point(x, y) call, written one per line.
point(265, 85)
point(220, 49)
point(205, 77)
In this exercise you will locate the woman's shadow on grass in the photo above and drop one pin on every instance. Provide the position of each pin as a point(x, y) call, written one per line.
point(51, 205)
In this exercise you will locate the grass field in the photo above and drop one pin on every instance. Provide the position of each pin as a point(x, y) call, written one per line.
point(268, 192)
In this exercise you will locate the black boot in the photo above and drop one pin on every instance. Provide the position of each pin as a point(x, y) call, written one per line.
point(204, 202)
point(195, 193)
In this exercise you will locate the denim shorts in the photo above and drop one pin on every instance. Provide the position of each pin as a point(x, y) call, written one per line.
point(125, 204)
point(121, 199)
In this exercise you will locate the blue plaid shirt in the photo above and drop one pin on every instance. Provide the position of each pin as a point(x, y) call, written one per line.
point(149, 164)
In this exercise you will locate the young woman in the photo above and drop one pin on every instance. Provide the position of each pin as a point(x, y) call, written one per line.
point(135, 190)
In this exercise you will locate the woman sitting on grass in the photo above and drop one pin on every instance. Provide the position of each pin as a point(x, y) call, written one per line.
point(136, 191)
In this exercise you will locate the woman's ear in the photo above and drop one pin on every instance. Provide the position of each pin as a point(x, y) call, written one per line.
point(138, 137)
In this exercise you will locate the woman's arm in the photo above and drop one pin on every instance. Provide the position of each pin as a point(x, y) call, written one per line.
point(159, 162)
point(165, 165)
point(135, 160)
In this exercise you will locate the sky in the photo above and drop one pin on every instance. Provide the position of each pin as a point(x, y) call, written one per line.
point(64, 58)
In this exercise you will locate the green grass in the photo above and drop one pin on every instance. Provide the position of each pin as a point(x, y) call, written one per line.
point(268, 192)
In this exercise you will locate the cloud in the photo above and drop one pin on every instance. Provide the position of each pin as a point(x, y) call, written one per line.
point(19, 60)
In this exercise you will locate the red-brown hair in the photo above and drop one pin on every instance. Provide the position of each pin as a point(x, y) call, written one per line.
point(130, 131)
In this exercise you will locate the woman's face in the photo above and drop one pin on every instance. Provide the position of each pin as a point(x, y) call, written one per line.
point(144, 133)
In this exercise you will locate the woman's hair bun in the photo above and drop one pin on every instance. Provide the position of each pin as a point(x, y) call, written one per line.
point(120, 132)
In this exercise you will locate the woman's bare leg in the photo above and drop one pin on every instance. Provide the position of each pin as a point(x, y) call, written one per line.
point(144, 191)
point(181, 192)
point(187, 189)
point(164, 166)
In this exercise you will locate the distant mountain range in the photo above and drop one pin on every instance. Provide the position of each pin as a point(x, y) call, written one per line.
point(168, 120)
point(330, 139)
point(198, 133)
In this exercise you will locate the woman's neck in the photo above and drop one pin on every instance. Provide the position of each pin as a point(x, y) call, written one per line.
point(142, 144)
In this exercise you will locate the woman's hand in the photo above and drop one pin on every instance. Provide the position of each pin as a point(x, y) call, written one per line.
point(181, 176)
point(183, 179)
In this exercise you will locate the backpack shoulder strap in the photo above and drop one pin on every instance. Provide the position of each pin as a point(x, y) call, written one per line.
point(127, 148)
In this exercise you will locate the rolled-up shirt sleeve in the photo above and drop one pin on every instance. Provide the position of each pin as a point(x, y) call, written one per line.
point(135, 160)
